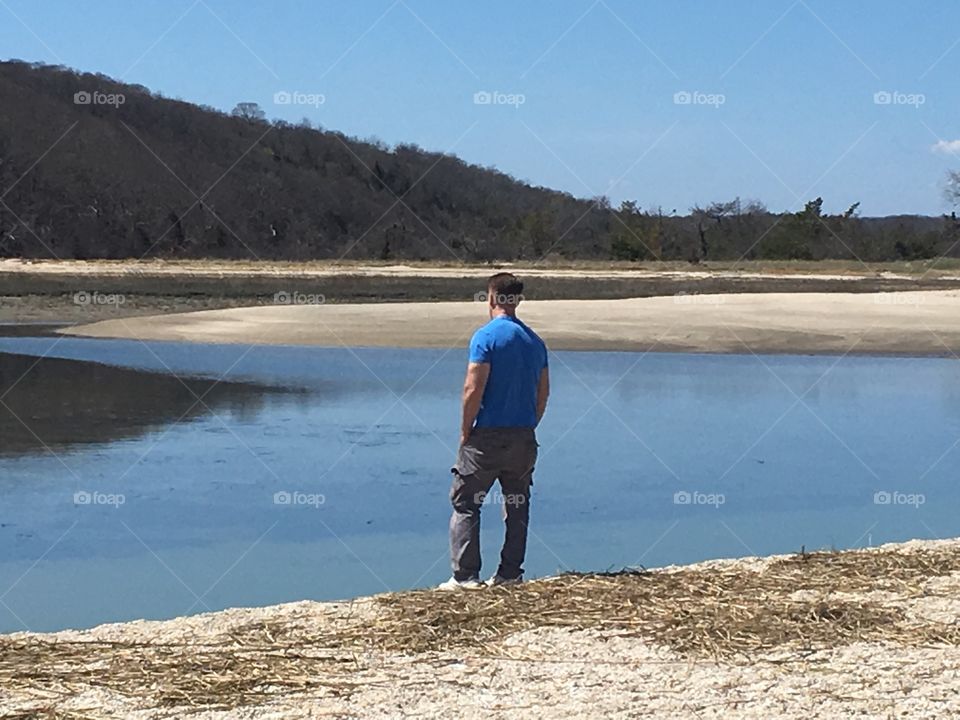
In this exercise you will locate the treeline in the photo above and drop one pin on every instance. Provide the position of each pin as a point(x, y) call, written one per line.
point(93, 168)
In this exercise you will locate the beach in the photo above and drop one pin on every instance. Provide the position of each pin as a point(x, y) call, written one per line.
point(830, 308)
point(868, 633)
point(863, 633)
point(910, 323)
point(411, 360)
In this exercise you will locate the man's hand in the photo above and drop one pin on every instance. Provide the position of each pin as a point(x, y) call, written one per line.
point(543, 392)
point(473, 387)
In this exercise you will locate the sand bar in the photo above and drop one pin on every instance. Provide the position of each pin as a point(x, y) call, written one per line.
point(911, 323)
point(229, 281)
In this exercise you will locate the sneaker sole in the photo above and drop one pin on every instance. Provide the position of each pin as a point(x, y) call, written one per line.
point(456, 588)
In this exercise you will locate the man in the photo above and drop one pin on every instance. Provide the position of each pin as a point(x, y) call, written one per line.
point(504, 398)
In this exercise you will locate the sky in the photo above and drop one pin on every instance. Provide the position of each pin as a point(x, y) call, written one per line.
point(670, 104)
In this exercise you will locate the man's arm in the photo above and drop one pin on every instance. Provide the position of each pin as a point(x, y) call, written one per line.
point(543, 392)
point(473, 387)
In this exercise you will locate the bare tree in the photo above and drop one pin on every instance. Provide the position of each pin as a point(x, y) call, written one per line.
point(953, 187)
point(249, 111)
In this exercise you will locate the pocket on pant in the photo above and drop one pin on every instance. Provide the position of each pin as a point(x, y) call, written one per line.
point(532, 453)
point(468, 491)
point(468, 460)
point(457, 486)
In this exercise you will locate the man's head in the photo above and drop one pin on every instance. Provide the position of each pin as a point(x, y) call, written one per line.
point(504, 293)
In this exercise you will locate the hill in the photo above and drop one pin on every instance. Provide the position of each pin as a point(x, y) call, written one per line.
point(94, 168)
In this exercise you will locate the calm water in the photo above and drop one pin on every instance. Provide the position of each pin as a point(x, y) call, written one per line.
point(124, 496)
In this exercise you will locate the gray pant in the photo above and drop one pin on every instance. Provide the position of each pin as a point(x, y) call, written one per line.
point(507, 455)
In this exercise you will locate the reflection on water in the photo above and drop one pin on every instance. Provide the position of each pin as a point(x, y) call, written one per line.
point(636, 453)
point(55, 403)
point(28, 329)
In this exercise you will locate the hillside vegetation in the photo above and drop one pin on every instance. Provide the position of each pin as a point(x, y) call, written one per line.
point(93, 168)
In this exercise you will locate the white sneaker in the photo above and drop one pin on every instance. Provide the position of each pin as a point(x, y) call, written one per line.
point(454, 584)
point(496, 580)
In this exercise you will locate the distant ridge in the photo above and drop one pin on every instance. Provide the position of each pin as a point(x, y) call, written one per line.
point(94, 168)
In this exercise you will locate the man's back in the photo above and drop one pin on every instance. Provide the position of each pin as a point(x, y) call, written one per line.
point(504, 396)
point(516, 356)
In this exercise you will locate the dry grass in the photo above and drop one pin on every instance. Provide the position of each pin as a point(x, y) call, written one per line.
point(803, 602)
point(234, 671)
point(702, 611)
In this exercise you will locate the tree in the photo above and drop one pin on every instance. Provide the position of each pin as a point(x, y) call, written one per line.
point(249, 111)
point(636, 235)
point(795, 237)
point(711, 220)
point(953, 187)
point(727, 229)
point(538, 230)
point(299, 192)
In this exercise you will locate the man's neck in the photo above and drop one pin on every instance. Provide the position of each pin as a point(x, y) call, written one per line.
point(499, 312)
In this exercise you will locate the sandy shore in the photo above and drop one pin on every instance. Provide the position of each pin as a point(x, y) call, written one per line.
point(921, 323)
point(870, 634)
point(46, 291)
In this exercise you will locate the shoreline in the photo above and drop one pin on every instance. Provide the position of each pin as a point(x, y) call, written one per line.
point(34, 290)
point(827, 307)
point(60, 329)
point(805, 635)
point(920, 323)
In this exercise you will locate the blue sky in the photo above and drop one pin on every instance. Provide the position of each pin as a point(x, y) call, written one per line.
point(583, 93)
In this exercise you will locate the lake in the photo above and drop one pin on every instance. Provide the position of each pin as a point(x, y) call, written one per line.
point(151, 480)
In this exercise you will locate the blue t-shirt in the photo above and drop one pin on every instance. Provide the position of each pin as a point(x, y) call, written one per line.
point(517, 356)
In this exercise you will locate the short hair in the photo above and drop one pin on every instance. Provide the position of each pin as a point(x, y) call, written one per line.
point(506, 288)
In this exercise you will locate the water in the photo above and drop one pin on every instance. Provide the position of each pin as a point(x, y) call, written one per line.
point(122, 496)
